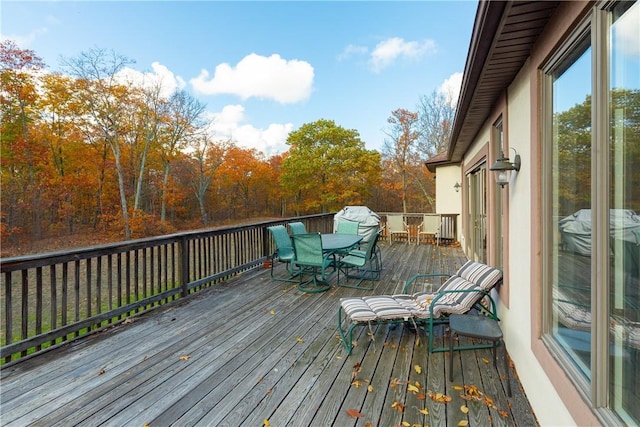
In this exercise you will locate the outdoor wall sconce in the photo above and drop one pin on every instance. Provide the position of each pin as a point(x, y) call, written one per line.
point(503, 168)
point(457, 187)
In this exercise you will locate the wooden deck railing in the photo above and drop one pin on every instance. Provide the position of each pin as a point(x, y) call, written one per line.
point(50, 298)
point(448, 226)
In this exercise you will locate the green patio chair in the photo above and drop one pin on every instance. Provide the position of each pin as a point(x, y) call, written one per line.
point(376, 248)
point(283, 253)
point(297, 228)
point(310, 259)
point(366, 262)
point(347, 227)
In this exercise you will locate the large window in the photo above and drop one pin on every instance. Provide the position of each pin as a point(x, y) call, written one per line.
point(624, 201)
point(592, 208)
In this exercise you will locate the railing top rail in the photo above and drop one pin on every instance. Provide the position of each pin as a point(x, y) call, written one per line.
point(48, 258)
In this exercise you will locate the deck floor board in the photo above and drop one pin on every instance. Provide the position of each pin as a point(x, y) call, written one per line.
point(253, 349)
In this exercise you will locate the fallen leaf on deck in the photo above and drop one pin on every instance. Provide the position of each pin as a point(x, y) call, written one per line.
point(485, 360)
point(299, 339)
point(395, 382)
point(398, 406)
point(356, 370)
point(370, 388)
point(504, 414)
point(413, 388)
point(463, 423)
point(406, 424)
point(418, 369)
point(266, 423)
point(353, 413)
point(185, 357)
point(356, 383)
point(464, 409)
point(424, 411)
point(273, 312)
point(421, 396)
point(439, 397)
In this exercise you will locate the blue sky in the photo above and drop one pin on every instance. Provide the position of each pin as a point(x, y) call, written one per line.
point(266, 68)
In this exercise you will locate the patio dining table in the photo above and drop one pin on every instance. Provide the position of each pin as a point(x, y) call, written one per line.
point(336, 242)
point(333, 242)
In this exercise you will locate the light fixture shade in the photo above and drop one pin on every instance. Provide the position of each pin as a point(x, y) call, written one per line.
point(502, 164)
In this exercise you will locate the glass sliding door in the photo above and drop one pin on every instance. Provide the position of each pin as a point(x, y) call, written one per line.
point(477, 202)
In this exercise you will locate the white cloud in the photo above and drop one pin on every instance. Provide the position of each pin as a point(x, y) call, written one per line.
point(258, 76)
point(228, 124)
point(160, 74)
point(388, 51)
point(451, 88)
point(351, 51)
point(25, 42)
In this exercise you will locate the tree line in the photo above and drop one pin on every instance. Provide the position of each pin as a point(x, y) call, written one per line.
point(84, 150)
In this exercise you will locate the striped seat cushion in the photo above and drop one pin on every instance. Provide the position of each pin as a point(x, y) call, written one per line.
point(450, 302)
point(419, 307)
point(481, 274)
point(370, 308)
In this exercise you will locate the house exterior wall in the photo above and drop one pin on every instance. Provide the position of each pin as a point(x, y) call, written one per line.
point(517, 313)
point(554, 398)
point(517, 320)
point(566, 18)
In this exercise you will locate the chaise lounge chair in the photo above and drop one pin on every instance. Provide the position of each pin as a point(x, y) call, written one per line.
point(469, 288)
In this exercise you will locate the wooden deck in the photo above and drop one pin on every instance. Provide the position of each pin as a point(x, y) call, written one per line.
point(255, 350)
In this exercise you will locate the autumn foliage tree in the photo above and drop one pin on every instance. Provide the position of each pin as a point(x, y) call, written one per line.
point(22, 153)
point(400, 148)
point(87, 151)
point(328, 167)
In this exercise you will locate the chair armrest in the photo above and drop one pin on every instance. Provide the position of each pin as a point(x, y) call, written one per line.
point(412, 279)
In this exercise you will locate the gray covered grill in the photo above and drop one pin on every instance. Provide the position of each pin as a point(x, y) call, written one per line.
point(368, 219)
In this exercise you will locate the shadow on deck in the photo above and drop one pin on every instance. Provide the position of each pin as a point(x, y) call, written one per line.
point(254, 350)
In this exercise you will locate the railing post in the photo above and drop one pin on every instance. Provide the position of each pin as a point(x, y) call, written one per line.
point(265, 242)
point(184, 266)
